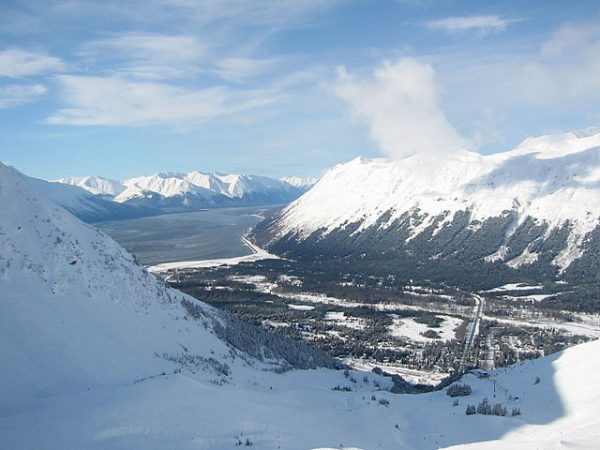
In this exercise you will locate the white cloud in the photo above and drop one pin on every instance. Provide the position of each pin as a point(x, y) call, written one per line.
point(568, 67)
point(15, 95)
point(399, 103)
point(244, 12)
point(238, 69)
point(570, 37)
point(147, 55)
point(483, 24)
point(16, 63)
point(114, 101)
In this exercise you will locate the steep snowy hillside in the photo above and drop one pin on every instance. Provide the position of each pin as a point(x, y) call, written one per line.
point(100, 354)
point(95, 185)
point(561, 394)
point(77, 312)
point(534, 210)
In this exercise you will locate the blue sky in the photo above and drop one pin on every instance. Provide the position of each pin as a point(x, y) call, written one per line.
point(289, 87)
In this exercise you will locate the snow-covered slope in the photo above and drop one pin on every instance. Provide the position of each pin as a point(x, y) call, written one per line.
point(546, 184)
point(99, 354)
point(77, 312)
point(95, 185)
point(300, 182)
point(564, 404)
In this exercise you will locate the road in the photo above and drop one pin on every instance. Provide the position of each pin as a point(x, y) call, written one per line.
point(472, 331)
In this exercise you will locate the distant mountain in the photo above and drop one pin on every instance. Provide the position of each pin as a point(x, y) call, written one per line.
point(300, 182)
point(467, 219)
point(175, 192)
point(85, 205)
point(95, 185)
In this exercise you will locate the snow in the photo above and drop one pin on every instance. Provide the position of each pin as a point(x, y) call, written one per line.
point(411, 375)
point(523, 259)
point(99, 354)
point(528, 297)
point(204, 185)
point(340, 318)
point(407, 327)
point(516, 287)
point(301, 307)
point(70, 297)
point(552, 179)
point(564, 403)
point(95, 185)
point(300, 182)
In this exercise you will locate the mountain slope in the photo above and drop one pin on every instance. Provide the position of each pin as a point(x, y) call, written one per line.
point(532, 210)
point(77, 312)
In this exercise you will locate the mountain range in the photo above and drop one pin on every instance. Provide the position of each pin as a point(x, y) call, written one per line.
point(94, 198)
point(465, 218)
point(100, 354)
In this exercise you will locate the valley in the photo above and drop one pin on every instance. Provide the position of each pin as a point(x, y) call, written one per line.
point(299, 225)
point(423, 332)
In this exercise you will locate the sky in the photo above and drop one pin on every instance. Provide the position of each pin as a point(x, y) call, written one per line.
point(289, 87)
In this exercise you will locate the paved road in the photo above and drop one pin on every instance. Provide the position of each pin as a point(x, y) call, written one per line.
point(472, 331)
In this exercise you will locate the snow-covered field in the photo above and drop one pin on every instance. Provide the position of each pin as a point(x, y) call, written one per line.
point(407, 327)
point(516, 287)
point(340, 318)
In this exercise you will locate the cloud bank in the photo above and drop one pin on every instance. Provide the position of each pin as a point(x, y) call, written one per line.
point(114, 101)
point(399, 104)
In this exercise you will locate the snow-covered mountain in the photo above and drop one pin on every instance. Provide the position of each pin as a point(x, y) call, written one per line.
point(173, 191)
point(210, 188)
point(100, 354)
point(300, 182)
point(85, 205)
point(535, 209)
point(95, 185)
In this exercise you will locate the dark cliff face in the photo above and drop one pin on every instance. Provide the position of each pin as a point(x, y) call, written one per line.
point(459, 252)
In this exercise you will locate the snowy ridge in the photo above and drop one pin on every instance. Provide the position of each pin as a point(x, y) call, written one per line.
point(551, 179)
point(198, 184)
point(169, 184)
point(300, 182)
point(95, 185)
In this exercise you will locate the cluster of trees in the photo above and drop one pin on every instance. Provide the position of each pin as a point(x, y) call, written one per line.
point(459, 390)
point(486, 408)
point(265, 346)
